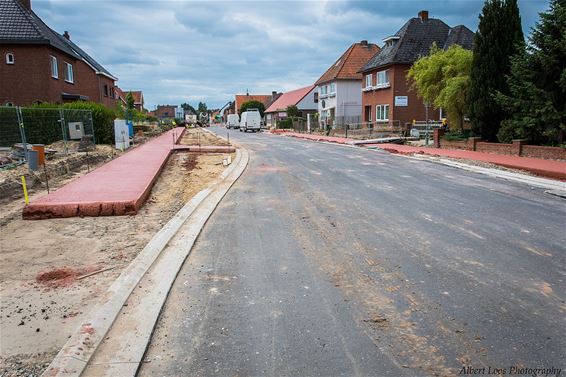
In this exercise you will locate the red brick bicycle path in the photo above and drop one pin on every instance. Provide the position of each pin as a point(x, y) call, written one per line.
point(119, 187)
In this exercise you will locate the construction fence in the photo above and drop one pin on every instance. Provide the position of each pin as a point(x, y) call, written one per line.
point(354, 130)
point(28, 125)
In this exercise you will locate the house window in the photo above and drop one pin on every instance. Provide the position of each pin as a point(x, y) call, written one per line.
point(112, 94)
point(323, 90)
point(369, 80)
point(382, 112)
point(315, 97)
point(367, 113)
point(9, 58)
point(69, 73)
point(54, 68)
point(105, 90)
point(383, 79)
point(333, 88)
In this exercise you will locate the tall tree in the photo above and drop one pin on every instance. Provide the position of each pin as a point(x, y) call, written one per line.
point(499, 37)
point(187, 106)
point(202, 107)
point(130, 101)
point(537, 83)
point(443, 79)
point(253, 104)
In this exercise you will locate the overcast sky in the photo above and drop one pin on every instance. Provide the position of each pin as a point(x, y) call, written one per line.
point(191, 51)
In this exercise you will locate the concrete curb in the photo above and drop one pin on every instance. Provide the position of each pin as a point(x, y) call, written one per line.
point(75, 355)
point(539, 182)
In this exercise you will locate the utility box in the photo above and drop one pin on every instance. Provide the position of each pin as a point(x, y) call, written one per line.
point(121, 134)
point(76, 130)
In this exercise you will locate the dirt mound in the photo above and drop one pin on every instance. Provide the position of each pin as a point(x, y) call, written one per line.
point(61, 277)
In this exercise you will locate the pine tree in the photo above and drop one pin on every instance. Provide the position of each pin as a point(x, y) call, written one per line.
point(537, 83)
point(498, 38)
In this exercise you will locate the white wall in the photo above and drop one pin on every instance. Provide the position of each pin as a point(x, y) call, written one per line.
point(349, 98)
point(307, 103)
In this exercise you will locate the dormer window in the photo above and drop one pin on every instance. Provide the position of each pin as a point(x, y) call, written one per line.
point(390, 41)
point(10, 58)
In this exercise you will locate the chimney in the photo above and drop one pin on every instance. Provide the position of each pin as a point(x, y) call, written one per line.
point(364, 42)
point(26, 4)
point(67, 35)
point(423, 15)
point(273, 94)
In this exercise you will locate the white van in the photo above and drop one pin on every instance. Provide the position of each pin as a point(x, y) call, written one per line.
point(233, 121)
point(250, 120)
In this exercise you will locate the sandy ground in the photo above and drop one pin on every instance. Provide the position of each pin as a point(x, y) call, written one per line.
point(196, 136)
point(43, 291)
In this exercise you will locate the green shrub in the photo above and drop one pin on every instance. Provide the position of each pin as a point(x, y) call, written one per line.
point(102, 120)
point(285, 123)
point(457, 136)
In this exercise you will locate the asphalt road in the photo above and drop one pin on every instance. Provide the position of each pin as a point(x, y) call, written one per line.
point(331, 261)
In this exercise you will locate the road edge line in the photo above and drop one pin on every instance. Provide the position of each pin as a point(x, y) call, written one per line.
point(74, 356)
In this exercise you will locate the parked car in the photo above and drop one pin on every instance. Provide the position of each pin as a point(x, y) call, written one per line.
point(250, 120)
point(233, 121)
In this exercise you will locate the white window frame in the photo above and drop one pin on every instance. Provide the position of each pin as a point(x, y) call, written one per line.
point(10, 58)
point(382, 112)
point(333, 88)
point(54, 67)
point(382, 79)
point(369, 118)
point(69, 77)
point(369, 80)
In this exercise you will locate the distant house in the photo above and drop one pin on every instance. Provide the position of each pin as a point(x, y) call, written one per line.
point(266, 99)
point(339, 88)
point(138, 98)
point(304, 98)
point(386, 97)
point(40, 65)
point(165, 111)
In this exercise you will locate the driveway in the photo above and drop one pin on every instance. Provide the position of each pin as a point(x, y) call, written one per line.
point(333, 261)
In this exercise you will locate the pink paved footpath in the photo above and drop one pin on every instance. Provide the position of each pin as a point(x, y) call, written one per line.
point(119, 187)
point(546, 168)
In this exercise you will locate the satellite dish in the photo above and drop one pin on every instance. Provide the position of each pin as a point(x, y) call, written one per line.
point(323, 104)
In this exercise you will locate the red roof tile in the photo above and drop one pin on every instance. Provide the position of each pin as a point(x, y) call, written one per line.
point(290, 98)
point(348, 65)
point(241, 98)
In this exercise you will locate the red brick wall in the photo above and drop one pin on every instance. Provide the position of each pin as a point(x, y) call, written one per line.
point(399, 87)
point(29, 79)
point(495, 148)
point(552, 153)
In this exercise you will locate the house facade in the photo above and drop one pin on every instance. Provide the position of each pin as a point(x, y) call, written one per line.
point(39, 65)
point(339, 88)
point(386, 95)
point(304, 98)
point(165, 111)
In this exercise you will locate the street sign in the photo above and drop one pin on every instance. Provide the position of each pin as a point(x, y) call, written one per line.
point(401, 101)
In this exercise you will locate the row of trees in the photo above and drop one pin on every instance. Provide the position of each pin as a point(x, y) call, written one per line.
point(509, 89)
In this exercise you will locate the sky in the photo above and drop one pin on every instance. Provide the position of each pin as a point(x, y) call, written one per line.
point(189, 51)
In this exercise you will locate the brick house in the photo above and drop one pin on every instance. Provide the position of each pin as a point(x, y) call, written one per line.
point(165, 111)
point(266, 99)
point(339, 88)
point(386, 94)
point(138, 98)
point(39, 65)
